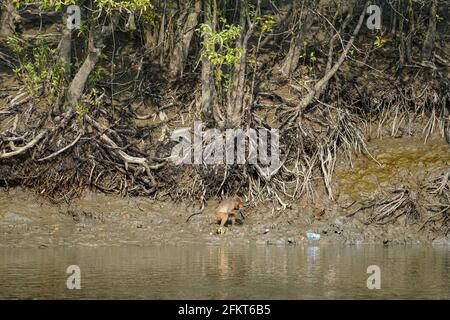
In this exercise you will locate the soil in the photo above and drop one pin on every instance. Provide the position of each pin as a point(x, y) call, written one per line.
point(95, 219)
point(353, 214)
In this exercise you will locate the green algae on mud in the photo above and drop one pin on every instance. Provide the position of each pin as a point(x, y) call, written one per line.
point(394, 161)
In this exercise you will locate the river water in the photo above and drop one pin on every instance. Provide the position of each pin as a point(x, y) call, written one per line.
point(226, 272)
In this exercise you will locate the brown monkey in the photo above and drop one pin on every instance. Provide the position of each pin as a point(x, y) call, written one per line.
point(229, 208)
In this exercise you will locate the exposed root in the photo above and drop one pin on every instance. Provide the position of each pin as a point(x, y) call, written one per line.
point(431, 210)
point(399, 203)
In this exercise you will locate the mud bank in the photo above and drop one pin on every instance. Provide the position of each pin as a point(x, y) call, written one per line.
point(99, 220)
point(352, 217)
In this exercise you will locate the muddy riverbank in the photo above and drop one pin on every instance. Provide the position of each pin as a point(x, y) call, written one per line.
point(99, 220)
point(85, 114)
point(29, 220)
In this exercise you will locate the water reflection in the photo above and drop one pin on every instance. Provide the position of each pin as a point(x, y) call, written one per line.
point(226, 272)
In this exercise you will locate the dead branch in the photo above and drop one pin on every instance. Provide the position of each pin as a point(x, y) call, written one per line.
point(318, 87)
point(125, 157)
point(62, 149)
point(26, 147)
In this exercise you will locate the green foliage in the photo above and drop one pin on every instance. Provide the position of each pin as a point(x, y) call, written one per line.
point(307, 69)
point(14, 44)
point(218, 47)
point(90, 100)
point(379, 42)
point(83, 30)
point(149, 17)
point(140, 6)
point(81, 110)
point(95, 75)
point(312, 57)
point(41, 73)
point(266, 22)
point(46, 4)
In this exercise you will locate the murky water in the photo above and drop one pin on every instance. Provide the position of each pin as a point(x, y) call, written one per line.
point(226, 272)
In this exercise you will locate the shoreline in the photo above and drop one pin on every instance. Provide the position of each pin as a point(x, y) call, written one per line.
point(361, 153)
point(97, 220)
point(394, 200)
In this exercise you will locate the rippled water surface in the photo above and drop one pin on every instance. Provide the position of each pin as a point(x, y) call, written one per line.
point(226, 272)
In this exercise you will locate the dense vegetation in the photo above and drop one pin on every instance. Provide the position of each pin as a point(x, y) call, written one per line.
point(95, 106)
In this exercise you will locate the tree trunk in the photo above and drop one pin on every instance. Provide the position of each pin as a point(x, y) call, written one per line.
point(411, 32)
point(281, 25)
point(78, 83)
point(318, 88)
point(65, 46)
point(150, 37)
point(64, 52)
point(430, 37)
point(235, 103)
point(402, 43)
point(394, 10)
point(292, 58)
point(180, 53)
point(209, 96)
point(161, 35)
point(347, 20)
point(8, 18)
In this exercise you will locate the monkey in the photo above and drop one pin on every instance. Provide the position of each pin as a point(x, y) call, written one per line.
point(229, 208)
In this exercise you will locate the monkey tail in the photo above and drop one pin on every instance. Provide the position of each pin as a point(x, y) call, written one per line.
point(197, 212)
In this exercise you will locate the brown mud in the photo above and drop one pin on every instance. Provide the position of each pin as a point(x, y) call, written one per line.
point(114, 138)
point(28, 220)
